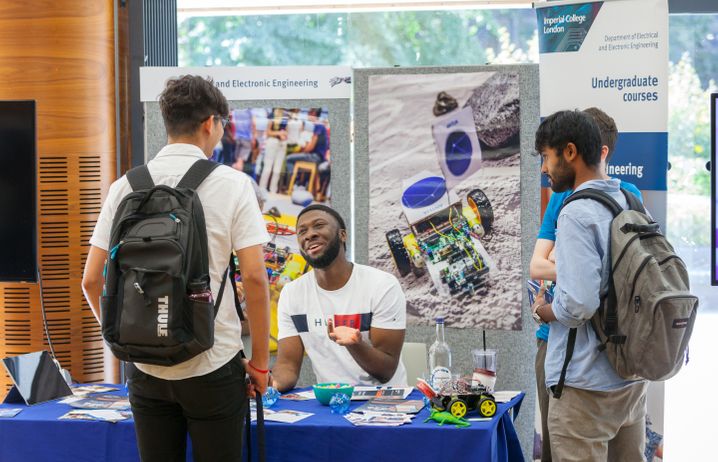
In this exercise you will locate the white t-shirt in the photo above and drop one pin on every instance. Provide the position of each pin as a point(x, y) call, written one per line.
point(233, 221)
point(371, 298)
point(294, 127)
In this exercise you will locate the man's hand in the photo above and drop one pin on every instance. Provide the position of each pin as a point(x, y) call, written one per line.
point(539, 297)
point(343, 335)
point(258, 380)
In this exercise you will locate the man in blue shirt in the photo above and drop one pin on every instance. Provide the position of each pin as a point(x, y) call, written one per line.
point(543, 266)
point(600, 416)
point(316, 149)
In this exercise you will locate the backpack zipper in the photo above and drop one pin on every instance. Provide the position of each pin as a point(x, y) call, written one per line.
point(638, 273)
point(163, 239)
point(630, 241)
point(115, 249)
point(666, 259)
point(625, 249)
point(138, 216)
point(637, 299)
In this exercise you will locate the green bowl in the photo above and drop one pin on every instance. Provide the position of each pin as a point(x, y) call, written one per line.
point(324, 391)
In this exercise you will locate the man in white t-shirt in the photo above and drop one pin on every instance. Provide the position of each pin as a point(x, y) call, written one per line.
point(205, 395)
point(349, 318)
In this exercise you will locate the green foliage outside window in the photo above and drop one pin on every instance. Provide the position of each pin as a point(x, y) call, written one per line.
point(410, 38)
point(449, 38)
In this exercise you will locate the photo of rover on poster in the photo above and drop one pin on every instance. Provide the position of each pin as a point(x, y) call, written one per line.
point(444, 161)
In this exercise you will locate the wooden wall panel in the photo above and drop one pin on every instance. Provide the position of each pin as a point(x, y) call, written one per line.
point(61, 53)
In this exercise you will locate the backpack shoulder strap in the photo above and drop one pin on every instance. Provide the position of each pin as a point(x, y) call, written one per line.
point(633, 202)
point(197, 173)
point(232, 273)
point(140, 178)
point(599, 196)
point(557, 389)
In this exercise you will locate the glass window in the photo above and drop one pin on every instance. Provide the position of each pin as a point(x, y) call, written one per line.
point(693, 41)
point(375, 39)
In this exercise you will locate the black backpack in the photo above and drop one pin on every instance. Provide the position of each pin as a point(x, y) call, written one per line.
point(646, 318)
point(158, 258)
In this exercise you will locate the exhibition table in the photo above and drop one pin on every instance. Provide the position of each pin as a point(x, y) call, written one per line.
point(36, 435)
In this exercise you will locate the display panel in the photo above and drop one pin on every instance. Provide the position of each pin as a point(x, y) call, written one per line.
point(714, 196)
point(287, 153)
point(18, 252)
point(444, 201)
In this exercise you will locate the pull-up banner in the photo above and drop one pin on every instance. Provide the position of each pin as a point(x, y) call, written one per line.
point(612, 55)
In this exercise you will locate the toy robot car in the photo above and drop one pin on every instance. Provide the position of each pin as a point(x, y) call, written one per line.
point(459, 397)
point(445, 235)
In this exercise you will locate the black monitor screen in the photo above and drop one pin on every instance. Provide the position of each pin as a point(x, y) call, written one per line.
point(18, 257)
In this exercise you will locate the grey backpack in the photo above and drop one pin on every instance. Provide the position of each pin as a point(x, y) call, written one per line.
point(646, 318)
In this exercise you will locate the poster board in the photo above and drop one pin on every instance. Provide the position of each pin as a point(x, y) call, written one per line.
point(286, 94)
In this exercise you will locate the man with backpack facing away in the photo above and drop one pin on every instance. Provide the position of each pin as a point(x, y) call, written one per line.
point(600, 415)
point(201, 388)
point(543, 266)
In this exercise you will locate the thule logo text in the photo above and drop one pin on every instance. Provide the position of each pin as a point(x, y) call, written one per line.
point(163, 304)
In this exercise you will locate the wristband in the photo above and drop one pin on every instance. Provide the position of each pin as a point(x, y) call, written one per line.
point(261, 371)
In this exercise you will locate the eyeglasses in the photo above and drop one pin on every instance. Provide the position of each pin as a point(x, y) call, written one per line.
point(224, 120)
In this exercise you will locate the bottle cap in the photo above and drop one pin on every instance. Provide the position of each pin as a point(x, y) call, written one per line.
point(440, 320)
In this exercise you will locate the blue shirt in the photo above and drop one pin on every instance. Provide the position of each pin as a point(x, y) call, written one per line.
point(582, 270)
point(242, 124)
point(320, 131)
point(548, 229)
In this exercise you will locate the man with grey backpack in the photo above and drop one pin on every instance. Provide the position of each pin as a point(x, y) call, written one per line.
point(157, 279)
point(621, 313)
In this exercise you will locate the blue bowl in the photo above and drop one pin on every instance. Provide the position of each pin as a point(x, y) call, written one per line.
point(324, 391)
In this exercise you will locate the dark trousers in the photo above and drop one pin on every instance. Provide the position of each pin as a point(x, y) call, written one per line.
point(212, 408)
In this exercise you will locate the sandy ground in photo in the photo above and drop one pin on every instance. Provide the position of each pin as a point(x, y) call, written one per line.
point(401, 145)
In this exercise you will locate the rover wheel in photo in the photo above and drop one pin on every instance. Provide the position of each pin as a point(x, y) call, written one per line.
point(398, 252)
point(481, 206)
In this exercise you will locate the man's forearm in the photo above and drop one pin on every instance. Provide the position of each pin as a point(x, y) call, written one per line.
point(377, 363)
point(93, 292)
point(283, 379)
point(542, 268)
point(257, 295)
point(290, 354)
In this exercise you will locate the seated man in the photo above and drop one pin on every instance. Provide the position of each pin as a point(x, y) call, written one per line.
point(316, 149)
point(349, 318)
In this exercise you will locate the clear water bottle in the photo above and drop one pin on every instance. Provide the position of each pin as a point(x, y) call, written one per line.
point(440, 358)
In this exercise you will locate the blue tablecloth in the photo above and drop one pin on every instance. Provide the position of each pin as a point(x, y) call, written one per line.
point(37, 435)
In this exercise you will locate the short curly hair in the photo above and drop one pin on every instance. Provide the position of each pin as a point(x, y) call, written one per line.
point(609, 131)
point(187, 101)
point(577, 127)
